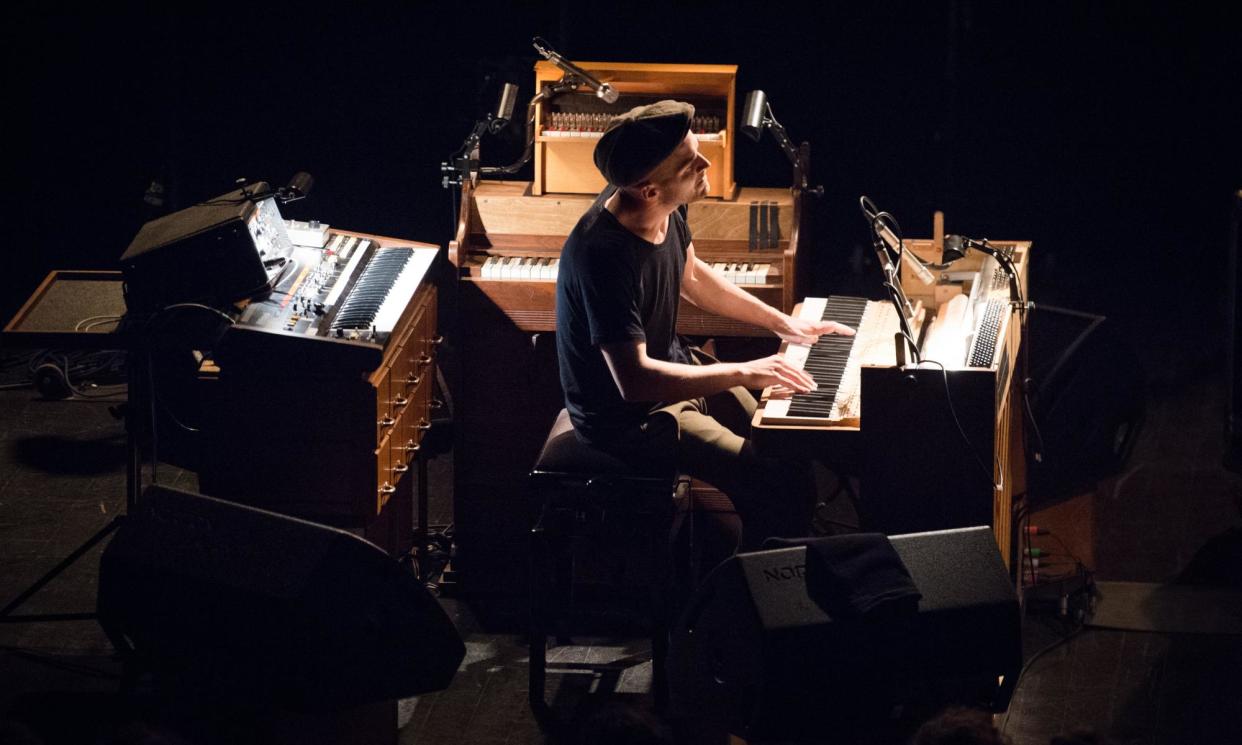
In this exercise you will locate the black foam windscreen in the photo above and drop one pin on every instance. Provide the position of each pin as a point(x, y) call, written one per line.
point(754, 653)
point(254, 607)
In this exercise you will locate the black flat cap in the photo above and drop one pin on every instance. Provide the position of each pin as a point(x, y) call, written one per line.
point(636, 141)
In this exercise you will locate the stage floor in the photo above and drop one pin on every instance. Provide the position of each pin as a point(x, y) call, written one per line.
point(1171, 517)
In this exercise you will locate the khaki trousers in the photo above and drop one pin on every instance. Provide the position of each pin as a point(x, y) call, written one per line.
point(709, 439)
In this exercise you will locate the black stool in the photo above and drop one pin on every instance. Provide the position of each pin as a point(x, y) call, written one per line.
point(598, 511)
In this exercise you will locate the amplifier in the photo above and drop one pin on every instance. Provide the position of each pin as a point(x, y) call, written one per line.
point(756, 653)
point(214, 253)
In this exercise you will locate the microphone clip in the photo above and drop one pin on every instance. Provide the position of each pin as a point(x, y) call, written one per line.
point(575, 74)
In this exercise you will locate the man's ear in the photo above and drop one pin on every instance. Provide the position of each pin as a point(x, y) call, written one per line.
point(648, 191)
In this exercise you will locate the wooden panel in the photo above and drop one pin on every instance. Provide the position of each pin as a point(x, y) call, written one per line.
point(565, 164)
point(338, 436)
point(508, 208)
point(569, 167)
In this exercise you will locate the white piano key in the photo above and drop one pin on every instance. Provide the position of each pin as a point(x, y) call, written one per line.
point(348, 247)
point(750, 275)
point(411, 276)
point(342, 279)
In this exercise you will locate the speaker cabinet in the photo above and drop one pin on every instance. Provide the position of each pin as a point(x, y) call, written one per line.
point(254, 607)
point(755, 653)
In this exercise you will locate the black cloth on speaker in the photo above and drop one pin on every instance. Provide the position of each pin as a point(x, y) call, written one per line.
point(852, 576)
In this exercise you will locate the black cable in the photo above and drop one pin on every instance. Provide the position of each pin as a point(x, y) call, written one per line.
point(154, 436)
point(200, 306)
point(1034, 658)
point(948, 397)
point(878, 221)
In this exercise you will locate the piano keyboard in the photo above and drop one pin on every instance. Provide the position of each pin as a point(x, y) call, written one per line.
point(744, 273)
point(521, 268)
point(534, 268)
point(382, 290)
point(834, 361)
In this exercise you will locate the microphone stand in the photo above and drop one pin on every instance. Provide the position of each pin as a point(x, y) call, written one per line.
point(1006, 261)
point(564, 85)
point(892, 282)
point(465, 166)
point(799, 157)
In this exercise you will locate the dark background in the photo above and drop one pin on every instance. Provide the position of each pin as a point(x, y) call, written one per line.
point(1108, 133)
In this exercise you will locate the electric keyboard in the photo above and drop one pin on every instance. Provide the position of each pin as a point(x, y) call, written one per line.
point(340, 359)
point(834, 361)
point(936, 445)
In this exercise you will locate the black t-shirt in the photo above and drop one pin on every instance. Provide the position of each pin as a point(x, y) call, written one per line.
point(614, 286)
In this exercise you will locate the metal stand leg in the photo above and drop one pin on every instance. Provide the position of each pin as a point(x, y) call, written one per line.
point(136, 370)
point(538, 633)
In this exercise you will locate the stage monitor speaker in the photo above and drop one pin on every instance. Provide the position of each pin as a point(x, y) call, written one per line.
point(214, 252)
point(252, 607)
point(755, 654)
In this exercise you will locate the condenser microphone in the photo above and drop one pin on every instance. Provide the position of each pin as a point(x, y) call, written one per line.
point(603, 91)
point(298, 187)
point(752, 114)
point(894, 245)
point(503, 114)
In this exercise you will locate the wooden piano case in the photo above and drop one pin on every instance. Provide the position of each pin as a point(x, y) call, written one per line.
point(325, 428)
point(936, 449)
point(505, 378)
point(564, 164)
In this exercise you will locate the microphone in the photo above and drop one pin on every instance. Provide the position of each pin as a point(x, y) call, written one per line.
point(298, 187)
point(752, 114)
point(954, 248)
point(894, 245)
point(961, 243)
point(602, 90)
point(503, 114)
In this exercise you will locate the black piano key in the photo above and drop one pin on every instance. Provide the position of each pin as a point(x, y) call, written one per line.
point(827, 358)
point(366, 297)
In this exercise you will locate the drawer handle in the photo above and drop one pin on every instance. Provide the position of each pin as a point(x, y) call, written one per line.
point(400, 468)
point(387, 490)
point(387, 421)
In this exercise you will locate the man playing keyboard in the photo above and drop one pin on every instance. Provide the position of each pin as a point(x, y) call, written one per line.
point(631, 386)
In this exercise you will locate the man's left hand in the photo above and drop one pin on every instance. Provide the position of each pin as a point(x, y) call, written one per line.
point(800, 331)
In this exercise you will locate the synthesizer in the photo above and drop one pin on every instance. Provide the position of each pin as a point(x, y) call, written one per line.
point(338, 362)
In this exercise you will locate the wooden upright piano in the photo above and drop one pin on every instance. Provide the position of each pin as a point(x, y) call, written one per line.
point(507, 244)
point(938, 445)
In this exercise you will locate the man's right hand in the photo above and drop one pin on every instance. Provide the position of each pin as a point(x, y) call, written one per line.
point(774, 370)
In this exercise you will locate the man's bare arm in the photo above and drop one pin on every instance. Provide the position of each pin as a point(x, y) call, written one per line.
point(641, 378)
point(707, 289)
